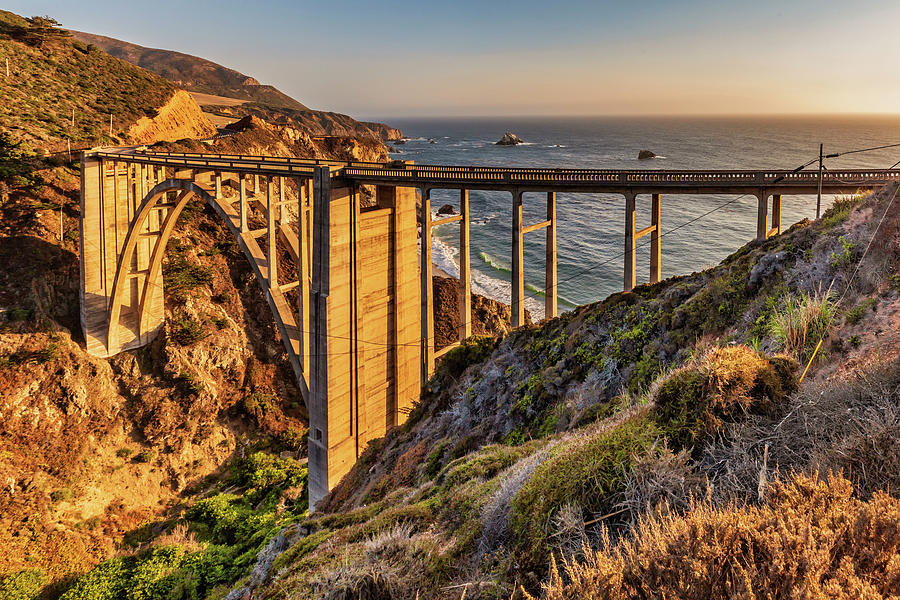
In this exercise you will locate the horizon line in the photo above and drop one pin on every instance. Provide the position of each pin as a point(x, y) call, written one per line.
point(630, 115)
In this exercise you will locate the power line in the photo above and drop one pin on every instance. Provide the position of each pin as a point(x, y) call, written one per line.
point(837, 154)
point(852, 276)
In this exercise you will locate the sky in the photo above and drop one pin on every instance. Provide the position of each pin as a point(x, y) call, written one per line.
point(484, 58)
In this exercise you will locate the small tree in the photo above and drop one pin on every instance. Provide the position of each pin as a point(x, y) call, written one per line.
point(43, 29)
point(17, 166)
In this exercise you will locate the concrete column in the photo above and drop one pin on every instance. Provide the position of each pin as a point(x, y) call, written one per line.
point(256, 185)
point(303, 270)
point(517, 299)
point(630, 244)
point(465, 276)
point(762, 214)
point(427, 290)
point(218, 185)
point(550, 278)
point(92, 260)
point(242, 207)
point(281, 199)
point(271, 234)
point(776, 213)
point(655, 246)
point(319, 484)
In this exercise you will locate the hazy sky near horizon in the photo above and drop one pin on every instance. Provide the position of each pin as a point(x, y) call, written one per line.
point(467, 57)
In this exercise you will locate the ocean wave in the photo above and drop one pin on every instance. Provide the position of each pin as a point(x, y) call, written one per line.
point(495, 263)
point(446, 258)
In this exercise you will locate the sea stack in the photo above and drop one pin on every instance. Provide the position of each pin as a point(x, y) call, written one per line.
point(509, 139)
point(645, 154)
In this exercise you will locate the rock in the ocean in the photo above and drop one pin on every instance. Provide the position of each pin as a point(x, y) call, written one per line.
point(645, 154)
point(509, 139)
point(446, 209)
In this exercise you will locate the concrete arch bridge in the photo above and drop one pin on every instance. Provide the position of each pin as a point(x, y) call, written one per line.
point(360, 334)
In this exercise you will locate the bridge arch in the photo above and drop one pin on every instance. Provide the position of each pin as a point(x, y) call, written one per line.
point(127, 264)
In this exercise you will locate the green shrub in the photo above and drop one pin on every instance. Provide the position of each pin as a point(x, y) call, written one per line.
point(801, 323)
point(61, 494)
point(189, 383)
point(587, 471)
point(855, 314)
point(186, 331)
point(17, 314)
point(23, 585)
point(841, 208)
point(124, 452)
point(696, 400)
point(181, 277)
point(472, 350)
point(262, 470)
point(145, 456)
point(845, 256)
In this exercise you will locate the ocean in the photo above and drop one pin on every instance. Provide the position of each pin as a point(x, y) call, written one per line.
point(590, 226)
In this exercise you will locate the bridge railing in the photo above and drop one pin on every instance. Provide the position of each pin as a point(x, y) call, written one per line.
point(421, 175)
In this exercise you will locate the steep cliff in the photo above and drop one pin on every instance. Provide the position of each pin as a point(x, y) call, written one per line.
point(264, 101)
point(180, 117)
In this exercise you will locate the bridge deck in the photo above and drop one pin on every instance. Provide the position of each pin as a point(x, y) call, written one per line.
point(398, 173)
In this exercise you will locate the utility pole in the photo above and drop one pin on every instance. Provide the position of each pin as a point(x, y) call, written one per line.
point(73, 117)
point(7, 68)
point(819, 198)
point(110, 127)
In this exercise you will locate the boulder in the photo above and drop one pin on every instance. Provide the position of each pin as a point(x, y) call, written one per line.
point(446, 209)
point(645, 154)
point(509, 139)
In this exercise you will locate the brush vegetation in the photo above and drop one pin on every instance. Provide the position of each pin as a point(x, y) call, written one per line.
point(52, 74)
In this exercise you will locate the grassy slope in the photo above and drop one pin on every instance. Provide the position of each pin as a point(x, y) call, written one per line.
point(533, 449)
point(47, 83)
point(193, 73)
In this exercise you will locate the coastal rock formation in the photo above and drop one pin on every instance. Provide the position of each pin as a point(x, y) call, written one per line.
point(489, 317)
point(509, 139)
point(645, 154)
point(178, 118)
point(386, 132)
point(256, 136)
point(446, 209)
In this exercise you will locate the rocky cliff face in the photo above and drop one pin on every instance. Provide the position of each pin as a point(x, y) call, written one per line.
point(489, 317)
point(386, 132)
point(180, 117)
point(252, 135)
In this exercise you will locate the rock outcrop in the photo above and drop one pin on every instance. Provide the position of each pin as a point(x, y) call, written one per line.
point(489, 317)
point(509, 139)
point(645, 154)
point(386, 132)
point(177, 119)
point(255, 136)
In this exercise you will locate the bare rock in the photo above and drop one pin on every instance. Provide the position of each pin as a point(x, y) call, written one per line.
point(446, 209)
point(509, 139)
point(645, 154)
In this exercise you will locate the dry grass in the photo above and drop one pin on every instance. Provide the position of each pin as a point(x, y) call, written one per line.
point(811, 539)
point(850, 427)
point(801, 322)
point(660, 481)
